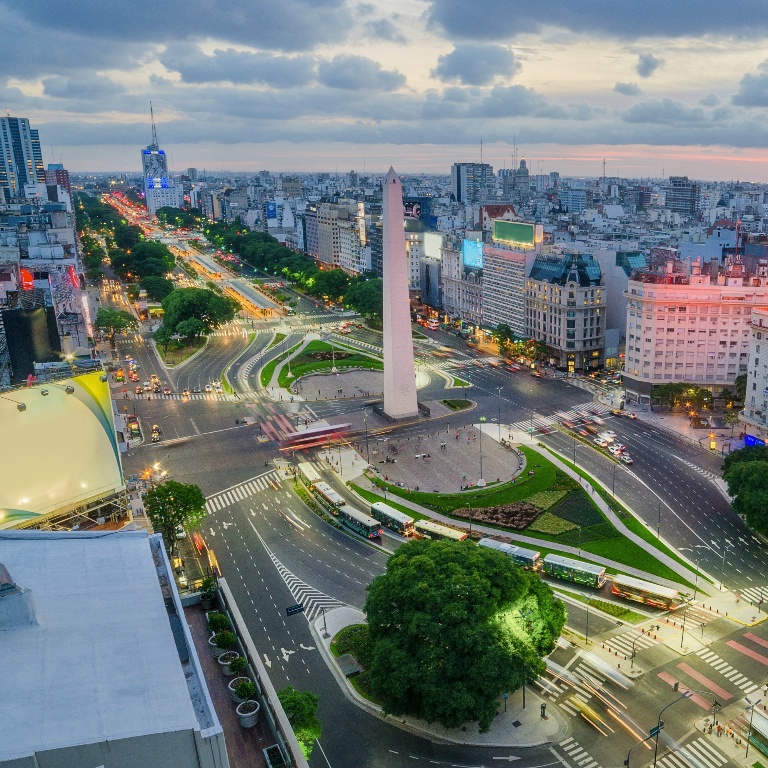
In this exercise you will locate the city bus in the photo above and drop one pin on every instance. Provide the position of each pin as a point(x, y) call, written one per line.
point(574, 570)
point(393, 519)
point(308, 474)
point(645, 592)
point(433, 323)
point(528, 558)
point(359, 522)
point(429, 529)
point(328, 497)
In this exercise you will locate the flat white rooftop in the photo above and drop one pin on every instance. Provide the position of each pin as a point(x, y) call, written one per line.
point(102, 663)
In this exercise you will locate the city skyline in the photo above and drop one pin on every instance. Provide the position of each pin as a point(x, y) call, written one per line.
point(654, 91)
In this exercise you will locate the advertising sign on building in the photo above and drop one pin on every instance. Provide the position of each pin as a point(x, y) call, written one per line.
point(271, 210)
point(517, 233)
point(472, 254)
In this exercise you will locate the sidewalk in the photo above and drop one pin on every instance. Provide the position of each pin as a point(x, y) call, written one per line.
point(515, 727)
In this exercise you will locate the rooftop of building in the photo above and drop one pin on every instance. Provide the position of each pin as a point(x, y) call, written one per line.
point(562, 269)
point(100, 663)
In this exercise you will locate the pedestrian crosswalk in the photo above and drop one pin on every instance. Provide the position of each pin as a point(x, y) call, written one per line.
point(579, 756)
point(696, 754)
point(539, 422)
point(626, 641)
point(578, 682)
point(725, 669)
point(703, 472)
point(220, 396)
point(237, 493)
point(756, 595)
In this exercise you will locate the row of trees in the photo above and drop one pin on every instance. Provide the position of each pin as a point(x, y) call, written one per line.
point(191, 218)
point(148, 258)
point(192, 312)
point(262, 251)
point(511, 344)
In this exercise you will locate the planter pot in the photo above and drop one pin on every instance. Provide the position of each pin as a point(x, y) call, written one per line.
point(248, 712)
point(215, 650)
point(207, 603)
point(232, 685)
point(224, 660)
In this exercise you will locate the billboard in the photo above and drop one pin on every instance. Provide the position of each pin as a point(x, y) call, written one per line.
point(472, 254)
point(433, 242)
point(271, 210)
point(517, 233)
point(64, 447)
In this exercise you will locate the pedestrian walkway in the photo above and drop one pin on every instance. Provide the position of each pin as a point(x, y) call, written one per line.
point(541, 422)
point(624, 643)
point(698, 753)
point(580, 756)
point(238, 493)
point(725, 669)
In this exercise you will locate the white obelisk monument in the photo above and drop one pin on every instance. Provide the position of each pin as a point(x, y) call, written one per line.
point(399, 370)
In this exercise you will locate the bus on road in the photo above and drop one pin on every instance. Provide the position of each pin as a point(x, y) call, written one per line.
point(645, 592)
point(308, 474)
point(328, 497)
point(429, 529)
point(359, 522)
point(574, 570)
point(528, 558)
point(397, 521)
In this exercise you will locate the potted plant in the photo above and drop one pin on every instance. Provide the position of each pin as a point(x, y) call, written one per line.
point(208, 592)
point(221, 641)
point(217, 622)
point(238, 665)
point(248, 712)
point(226, 659)
point(242, 689)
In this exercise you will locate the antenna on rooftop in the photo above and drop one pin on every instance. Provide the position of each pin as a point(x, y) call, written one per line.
point(154, 130)
point(603, 168)
point(481, 150)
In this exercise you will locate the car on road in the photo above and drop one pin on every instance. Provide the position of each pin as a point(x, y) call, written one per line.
point(537, 375)
point(147, 386)
point(133, 376)
point(157, 389)
point(208, 388)
point(139, 391)
point(196, 390)
point(166, 390)
point(583, 432)
point(218, 387)
point(608, 434)
point(185, 392)
point(615, 450)
point(155, 437)
point(621, 447)
point(632, 416)
point(625, 458)
point(600, 442)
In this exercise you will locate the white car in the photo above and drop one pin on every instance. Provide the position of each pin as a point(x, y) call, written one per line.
point(626, 458)
point(208, 388)
point(621, 448)
point(601, 442)
point(615, 450)
point(217, 387)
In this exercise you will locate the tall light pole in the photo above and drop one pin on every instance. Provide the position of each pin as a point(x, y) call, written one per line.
point(574, 449)
point(660, 723)
point(751, 709)
point(613, 482)
point(481, 482)
point(498, 392)
point(726, 548)
point(367, 453)
point(658, 523)
point(524, 616)
point(696, 585)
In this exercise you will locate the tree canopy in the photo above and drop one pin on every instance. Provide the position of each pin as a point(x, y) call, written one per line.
point(172, 504)
point(157, 288)
point(112, 321)
point(177, 217)
point(301, 710)
point(367, 297)
point(748, 484)
point(209, 307)
point(454, 626)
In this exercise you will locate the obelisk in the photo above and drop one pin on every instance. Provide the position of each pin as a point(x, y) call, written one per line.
point(399, 369)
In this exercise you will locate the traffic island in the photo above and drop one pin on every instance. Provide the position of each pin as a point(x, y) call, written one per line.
point(534, 725)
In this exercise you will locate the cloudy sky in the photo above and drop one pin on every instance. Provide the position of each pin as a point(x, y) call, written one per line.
point(653, 87)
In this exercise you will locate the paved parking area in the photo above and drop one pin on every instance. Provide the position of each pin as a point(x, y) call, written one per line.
point(360, 383)
point(443, 460)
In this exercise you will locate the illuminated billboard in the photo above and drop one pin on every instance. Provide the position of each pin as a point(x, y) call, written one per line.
point(472, 254)
point(433, 242)
point(60, 447)
point(271, 210)
point(517, 233)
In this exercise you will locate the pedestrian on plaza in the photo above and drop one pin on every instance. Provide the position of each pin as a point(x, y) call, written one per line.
point(719, 730)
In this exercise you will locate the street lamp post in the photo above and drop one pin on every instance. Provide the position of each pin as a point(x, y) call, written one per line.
point(660, 723)
point(586, 631)
point(367, 453)
point(632, 659)
point(524, 616)
point(685, 612)
point(574, 450)
point(696, 585)
point(658, 523)
point(498, 391)
point(726, 548)
point(751, 709)
point(481, 482)
point(613, 481)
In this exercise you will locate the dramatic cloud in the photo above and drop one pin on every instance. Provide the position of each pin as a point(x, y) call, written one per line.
point(356, 73)
point(663, 112)
point(647, 64)
point(82, 87)
point(288, 25)
point(384, 29)
point(628, 89)
point(478, 64)
point(497, 20)
point(753, 89)
point(233, 66)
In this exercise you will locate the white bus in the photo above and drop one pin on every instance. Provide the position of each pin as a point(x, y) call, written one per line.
point(328, 497)
point(393, 519)
point(308, 474)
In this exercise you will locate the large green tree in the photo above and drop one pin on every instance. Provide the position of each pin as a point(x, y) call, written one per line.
point(171, 504)
point(748, 453)
point(454, 626)
point(301, 710)
point(367, 297)
point(114, 321)
point(503, 335)
point(748, 484)
point(212, 309)
point(157, 288)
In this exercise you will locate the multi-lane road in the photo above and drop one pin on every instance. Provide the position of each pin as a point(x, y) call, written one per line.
point(274, 551)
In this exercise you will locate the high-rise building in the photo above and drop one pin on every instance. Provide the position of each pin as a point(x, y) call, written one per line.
point(682, 196)
point(192, 174)
point(565, 309)
point(471, 182)
point(21, 159)
point(158, 187)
